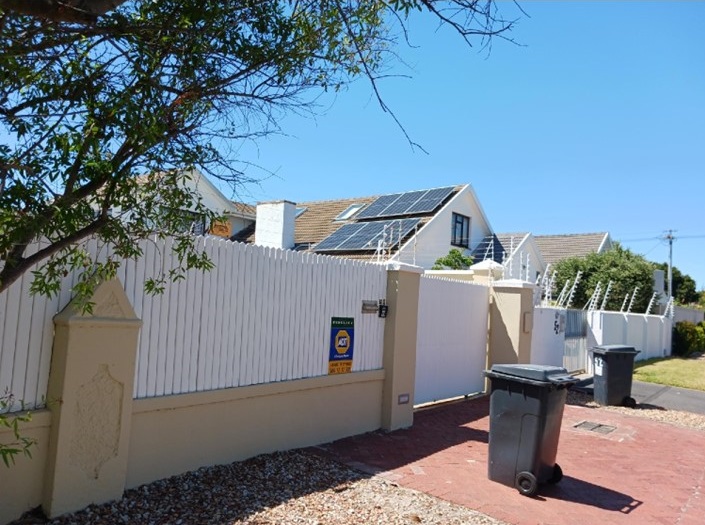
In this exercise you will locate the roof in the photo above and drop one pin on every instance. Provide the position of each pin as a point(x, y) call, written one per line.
point(489, 248)
point(247, 210)
point(555, 248)
point(317, 222)
point(510, 241)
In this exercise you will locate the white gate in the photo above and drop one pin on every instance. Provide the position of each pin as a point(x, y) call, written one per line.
point(451, 343)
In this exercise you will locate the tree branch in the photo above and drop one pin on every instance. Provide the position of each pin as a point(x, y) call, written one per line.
point(15, 267)
point(62, 11)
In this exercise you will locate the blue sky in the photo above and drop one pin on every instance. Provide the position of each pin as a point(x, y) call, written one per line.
point(596, 122)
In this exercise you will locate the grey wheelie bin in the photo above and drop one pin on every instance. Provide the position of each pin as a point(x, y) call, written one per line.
point(613, 367)
point(526, 410)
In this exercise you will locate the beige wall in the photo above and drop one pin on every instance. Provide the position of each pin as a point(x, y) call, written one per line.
point(22, 484)
point(511, 322)
point(400, 345)
point(175, 434)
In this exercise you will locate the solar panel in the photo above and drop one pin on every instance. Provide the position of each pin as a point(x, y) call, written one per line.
point(366, 235)
point(365, 239)
point(339, 236)
point(431, 200)
point(376, 206)
point(403, 203)
point(423, 201)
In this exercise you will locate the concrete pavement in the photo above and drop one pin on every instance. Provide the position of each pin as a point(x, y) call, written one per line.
point(657, 396)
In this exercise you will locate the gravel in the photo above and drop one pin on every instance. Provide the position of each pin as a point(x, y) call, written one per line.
point(297, 487)
point(674, 417)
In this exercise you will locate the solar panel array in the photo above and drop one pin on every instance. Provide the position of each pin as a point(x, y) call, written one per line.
point(366, 235)
point(423, 201)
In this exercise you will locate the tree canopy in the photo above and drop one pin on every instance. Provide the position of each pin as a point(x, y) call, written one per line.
point(453, 260)
point(626, 270)
point(684, 291)
point(94, 93)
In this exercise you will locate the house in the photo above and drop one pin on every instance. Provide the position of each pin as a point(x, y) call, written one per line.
point(555, 248)
point(415, 227)
point(237, 215)
point(527, 257)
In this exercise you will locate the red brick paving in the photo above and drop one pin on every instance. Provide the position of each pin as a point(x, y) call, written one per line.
point(644, 472)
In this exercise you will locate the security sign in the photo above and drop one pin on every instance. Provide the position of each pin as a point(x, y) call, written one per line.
point(342, 338)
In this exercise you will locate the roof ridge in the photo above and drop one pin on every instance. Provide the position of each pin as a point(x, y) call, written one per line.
point(571, 234)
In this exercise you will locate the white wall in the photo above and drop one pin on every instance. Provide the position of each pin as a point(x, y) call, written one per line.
point(526, 261)
point(650, 334)
point(693, 315)
point(548, 336)
point(433, 240)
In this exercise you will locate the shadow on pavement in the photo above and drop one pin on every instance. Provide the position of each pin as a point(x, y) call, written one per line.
point(433, 431)
point(585, 493)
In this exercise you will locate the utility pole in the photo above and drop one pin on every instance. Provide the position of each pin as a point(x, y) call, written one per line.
point(669, 238)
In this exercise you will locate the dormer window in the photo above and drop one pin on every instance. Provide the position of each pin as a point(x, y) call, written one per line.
point(300, 210)
point(349, 212)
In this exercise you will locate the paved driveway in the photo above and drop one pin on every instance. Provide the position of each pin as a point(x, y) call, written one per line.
point(642, 472)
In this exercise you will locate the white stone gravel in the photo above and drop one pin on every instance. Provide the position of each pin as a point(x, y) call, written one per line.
point(674, 417)
point(295, 487)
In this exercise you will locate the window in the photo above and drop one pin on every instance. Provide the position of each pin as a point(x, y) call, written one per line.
point(460, 231)
point(349, 212)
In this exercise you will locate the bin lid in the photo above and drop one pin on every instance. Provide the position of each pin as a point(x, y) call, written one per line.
point(614, 349)
point(545, 373)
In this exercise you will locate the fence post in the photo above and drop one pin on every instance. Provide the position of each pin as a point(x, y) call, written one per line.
point(90, 397)
point(400, 345)
point(511, 322)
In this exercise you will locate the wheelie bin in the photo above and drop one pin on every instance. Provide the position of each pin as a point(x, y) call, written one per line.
point(613, 367)
point(526, 410)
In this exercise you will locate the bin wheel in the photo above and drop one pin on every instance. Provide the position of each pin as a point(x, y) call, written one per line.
point(557, 474)
point(526, 484)
point(629, 402)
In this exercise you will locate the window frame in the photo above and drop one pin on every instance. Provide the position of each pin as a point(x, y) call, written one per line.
point(462, 238)
point(349, 212)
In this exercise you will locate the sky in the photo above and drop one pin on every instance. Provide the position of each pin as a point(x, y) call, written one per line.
point(593, 121)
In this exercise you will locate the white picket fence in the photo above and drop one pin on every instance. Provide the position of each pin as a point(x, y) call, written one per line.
point(451, 340)
point(261, 315)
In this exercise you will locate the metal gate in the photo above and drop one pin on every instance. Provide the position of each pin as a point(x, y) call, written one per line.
point(451, 341)
point(575, 351)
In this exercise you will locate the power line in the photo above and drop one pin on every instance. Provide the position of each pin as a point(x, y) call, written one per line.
point(662, 237)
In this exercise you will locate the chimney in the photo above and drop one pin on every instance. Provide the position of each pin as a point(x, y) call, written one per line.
point(274, 226)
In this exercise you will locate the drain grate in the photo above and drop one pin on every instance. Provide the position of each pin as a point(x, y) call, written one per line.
point(595, 427)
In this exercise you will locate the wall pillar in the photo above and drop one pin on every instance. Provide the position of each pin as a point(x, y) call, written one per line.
point(400, 345)
point(511, 322)
point(90, 397)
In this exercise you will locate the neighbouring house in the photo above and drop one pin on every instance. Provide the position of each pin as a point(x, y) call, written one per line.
point(415, 227)
point(527, 256)
point(556, 248)
point(237, 215)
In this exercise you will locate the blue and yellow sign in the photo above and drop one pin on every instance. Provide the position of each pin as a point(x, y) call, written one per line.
point(342, 338)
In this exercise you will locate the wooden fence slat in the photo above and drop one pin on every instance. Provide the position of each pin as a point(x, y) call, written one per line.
point(261, 315)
